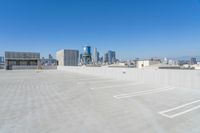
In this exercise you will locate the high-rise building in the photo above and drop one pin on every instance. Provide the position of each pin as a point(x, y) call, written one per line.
point(95, 57)
point(105, 58)
point(87, 56)
point(101, 59)
point(1, 59)
point(193, 61)
point(81, 58)
point(1, 62)
point(50, 57)
point(67, 57)
point(98, 56)
point(114, 57)
point(111, 57)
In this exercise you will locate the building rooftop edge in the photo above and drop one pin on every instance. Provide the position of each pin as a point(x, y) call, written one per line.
point(21, 52)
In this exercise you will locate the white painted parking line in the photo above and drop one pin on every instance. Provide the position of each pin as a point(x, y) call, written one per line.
point(98, 81)
point(87, 79)
point(103, 81)
point(121, 85)
point(164, 113)
point(140, 93)
point(83, 79)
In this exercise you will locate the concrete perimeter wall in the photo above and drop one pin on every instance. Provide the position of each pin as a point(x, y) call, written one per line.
point(33, 67)
point(187, 79)
point(23, 67)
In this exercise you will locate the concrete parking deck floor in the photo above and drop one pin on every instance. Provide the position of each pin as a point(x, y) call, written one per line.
point(62, 102)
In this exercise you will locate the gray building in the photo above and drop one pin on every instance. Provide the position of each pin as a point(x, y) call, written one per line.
point(21, 60)
point(67, 57)
point(105, 58)
point(96, 56)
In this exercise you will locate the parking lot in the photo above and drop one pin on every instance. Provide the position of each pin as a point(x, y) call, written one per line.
point(55, 101)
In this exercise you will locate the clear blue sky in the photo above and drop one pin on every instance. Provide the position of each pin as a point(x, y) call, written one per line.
point(134, 28)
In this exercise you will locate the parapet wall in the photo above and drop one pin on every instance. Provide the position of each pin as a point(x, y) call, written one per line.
point(187, 79)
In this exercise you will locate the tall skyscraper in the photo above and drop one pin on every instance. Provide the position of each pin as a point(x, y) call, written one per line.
point(67, 57)
point(95, 58)
point(105, 58)
point(1, 59)
point(81, 58)
point(87, 56)
point(111, 57)
point(193, 61)
point(98, 57)
point(50, 57)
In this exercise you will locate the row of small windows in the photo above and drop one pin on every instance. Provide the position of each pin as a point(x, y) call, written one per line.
point(22, 63)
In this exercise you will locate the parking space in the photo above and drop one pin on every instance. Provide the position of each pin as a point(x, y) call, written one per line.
point(179, 102)
point(181, 110)
point(144, 92)
point(57, 101)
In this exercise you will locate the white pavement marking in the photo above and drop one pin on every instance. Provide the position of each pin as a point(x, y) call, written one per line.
point(121, 85)
point(87, 79)
point(103, 81)
point(98, 81)
point(140, 93)
point(163, 113)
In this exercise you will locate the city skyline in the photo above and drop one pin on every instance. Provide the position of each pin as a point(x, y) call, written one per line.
point(106, 51)
point(131, 28)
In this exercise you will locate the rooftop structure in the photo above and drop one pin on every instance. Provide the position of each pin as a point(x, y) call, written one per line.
point(147, 63)
point(67, 57)
point(21, 60)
